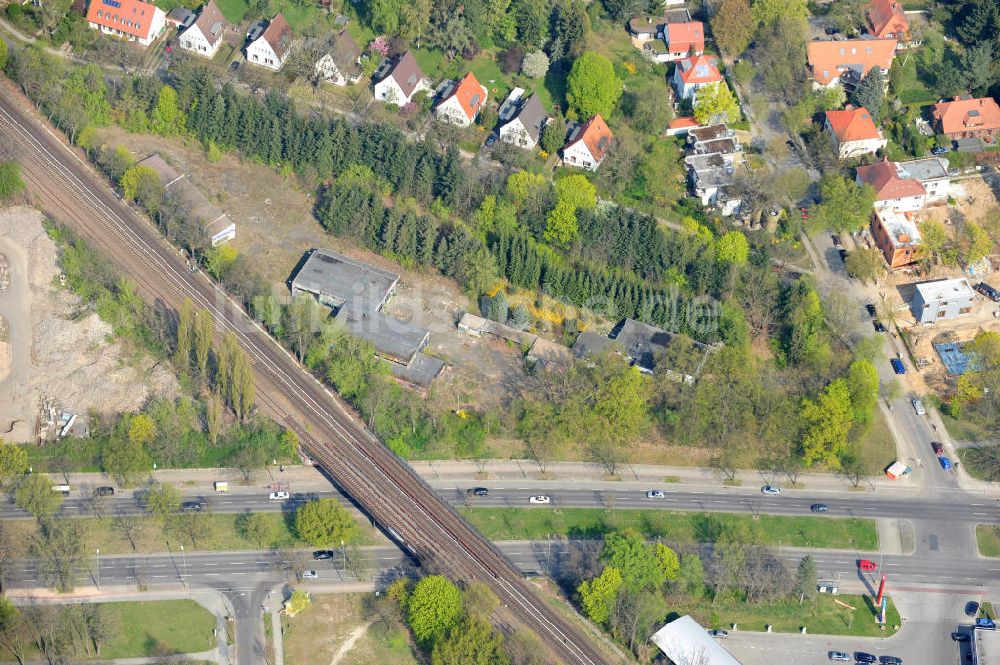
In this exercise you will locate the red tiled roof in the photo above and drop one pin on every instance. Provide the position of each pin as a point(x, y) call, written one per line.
point(967, 115)
point(885, 180)
point(829, 59)
point(133, 17)
point(470, 94)
point(852, 125)
point(596, 136)
point(681, 37)
point(887, 18)
point(701, 69)
point(681, 123)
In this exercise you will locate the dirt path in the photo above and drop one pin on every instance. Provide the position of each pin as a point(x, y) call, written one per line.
point(352, 639)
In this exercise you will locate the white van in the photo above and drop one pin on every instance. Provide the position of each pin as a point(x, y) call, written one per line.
point(60, 489)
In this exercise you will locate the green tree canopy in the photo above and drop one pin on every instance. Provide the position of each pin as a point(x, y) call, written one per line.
point(434, 606)
point(561, 226)
point(845, 205)
point(668, 561)
point(637, 561)
point(34, 495)
point(733, 26)
point(870, 93)
point(767, 12)
point(472, 642)
point(577, 191)
point(11, 183)
point(593, 87)
point(324, 523)
point(733, 248)
point(862, 381)
point(598, 595)
point(828, 421)
point(13, 461)
point(805, 579)
point(716, 103)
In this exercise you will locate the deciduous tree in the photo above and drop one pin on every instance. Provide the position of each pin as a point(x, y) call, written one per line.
point(733, 26)
point(716, 103)
point(828, 421)
point(34, 495)
point(593, 87)
point(597, 596)
point(434, 606)
point(324, 523)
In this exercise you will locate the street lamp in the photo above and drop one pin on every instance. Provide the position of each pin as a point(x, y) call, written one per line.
point(183, 567)
point(98, 568)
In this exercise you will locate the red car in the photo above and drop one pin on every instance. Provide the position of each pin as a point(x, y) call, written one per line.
point(867, 565)
point(805, 213)
point(937, 447)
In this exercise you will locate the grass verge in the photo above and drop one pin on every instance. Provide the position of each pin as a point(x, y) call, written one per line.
point(878, 448)
point(678, 527)
point(988, 539)
point(823, 616)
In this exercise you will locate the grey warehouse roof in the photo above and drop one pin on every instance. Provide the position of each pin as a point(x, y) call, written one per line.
point(685, 642)
point(944, 289)
point(394, 339)
point(340, 280)
point(925, 169)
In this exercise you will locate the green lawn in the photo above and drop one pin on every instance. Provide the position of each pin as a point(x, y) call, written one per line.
point(878, 448)
point(970, 427)
point(153, 628)
point(988, 537)
point(913, 91)
point(233, 10)
point(969, 461)
point(821, 617)
point(537, 523)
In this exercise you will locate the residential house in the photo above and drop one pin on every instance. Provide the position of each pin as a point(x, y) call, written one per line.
point(643, 29)
point(693, 74)
point(676, 41)
point(932, 172)
point(894, 189)
point(341, 64)
point(846, 62)
point(853, 132)
point(398, 80)
point(682, 125)
point(711, 178)
point(941, 300)
point(897, 235)
point(886, 20)
point(588, 144)
point(269, 46)
point(204, 36)
point(180, 17)
point(713, 138)
point(967, 118)
point(522, 120)
point(461, 101)
point(133, 20)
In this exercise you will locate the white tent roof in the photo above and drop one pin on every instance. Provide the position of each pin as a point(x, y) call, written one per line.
point(685, 642)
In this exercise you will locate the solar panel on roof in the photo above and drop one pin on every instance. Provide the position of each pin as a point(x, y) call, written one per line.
point(112, 3)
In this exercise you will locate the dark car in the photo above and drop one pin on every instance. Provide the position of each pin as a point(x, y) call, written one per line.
point(819, 507)
point(192, 506)
point(939, 150)
point(960, 637)
point(890, 660)
point(870, 308)
point(938, 448)
point(843, 254)
point(477, 491)
point(988, 291)
point(836, 239)
point(897, 366)
point(321, 555)
point(234, 65)
point(104, 491)
point(830, 30)
point(971, 608)
point(862, 657)
point(878, 325)
point(490, 140)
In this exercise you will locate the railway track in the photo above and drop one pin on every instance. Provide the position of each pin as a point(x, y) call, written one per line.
point(383, 486)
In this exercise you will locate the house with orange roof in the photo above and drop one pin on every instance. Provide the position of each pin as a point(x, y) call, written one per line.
point(847, 61)
point(693, 74)
point(588, 144)
point(853, 132)
point(461, 101)
point(894, 189)
point(269, 46)
point(133, 20)
point(683, 40)
point(967, 118)
point(886, 20)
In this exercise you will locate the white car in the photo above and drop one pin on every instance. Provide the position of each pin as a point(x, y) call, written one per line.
point(770, 489)
point(278, 496)
point(310, 575)
point(539, 499)
point(918, 406)
point(654, 494)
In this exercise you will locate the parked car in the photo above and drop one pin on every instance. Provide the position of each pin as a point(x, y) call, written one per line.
point(878, 325)
point(654, 494)
point(831, 30)
point(863, 657)
point(945, 463)
point(897, 366)
point(988, 291)
point(870, 308)
point(819, 507)
point(490, 140)
point(477, 491)
point(971, 608)
point(770, 489)
point(986, 623)
point(841, 656)
point(322, 555)
point(868, 566)
point(937, 447)
point(104, 491)
point(843, 254)
point(827, 587)
point(310, 575)
point(939, 150)
point(960, 637)
point(836, 239)
point(918, 406)
point(805, 213)
point(717, 632)
point(279, 496)
point(539, 499)
point(192, 506)
point(890, 660)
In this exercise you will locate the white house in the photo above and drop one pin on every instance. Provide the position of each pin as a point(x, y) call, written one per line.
point(340, 65)
point(893, 189)
point(932, 172)
point(853, 132)
point(588, 144)
point(522, 125)
point(133, 20)
point(269, 47)
point(204, 36)
point(693, 74)
point(398, 80)
point(461, 101)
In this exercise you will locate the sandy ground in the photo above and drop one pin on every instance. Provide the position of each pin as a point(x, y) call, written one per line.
point(275, 226)
point(57, 351)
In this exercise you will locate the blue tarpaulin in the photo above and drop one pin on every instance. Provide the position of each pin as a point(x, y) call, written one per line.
point(955, 360)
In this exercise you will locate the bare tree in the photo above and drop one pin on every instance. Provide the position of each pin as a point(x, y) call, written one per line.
point(58, 548)
point(357, 562)
point(129, 527)
point(101, 626)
